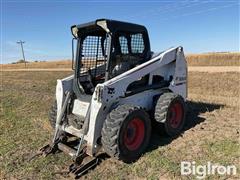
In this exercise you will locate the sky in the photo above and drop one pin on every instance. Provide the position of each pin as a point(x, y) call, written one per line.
point(199, 26)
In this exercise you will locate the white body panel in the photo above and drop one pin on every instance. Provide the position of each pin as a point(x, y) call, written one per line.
point(143, 99)
point(170, 64)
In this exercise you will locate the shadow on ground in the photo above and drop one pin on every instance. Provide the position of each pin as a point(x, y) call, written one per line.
point(194, 109)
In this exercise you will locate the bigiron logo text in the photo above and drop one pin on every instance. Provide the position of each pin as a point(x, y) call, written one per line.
point(201, 171)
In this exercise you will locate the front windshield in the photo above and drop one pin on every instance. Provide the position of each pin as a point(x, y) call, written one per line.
point(93, 55)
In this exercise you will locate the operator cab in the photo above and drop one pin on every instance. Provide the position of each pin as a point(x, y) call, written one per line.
point(106, 49)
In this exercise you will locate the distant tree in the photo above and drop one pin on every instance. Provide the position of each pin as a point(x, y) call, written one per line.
point(21, 61)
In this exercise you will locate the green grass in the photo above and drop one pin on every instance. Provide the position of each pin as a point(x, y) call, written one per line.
point(223, 151)
point(23, 132)
point(25, 101)
point(20, 138)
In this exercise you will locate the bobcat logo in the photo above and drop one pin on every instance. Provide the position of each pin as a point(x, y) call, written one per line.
point(111, 90)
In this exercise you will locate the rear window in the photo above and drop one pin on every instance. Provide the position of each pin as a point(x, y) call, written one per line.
point(137, 43)
point(134, 41)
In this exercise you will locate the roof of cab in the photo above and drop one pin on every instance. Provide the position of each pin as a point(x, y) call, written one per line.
point(110, 25)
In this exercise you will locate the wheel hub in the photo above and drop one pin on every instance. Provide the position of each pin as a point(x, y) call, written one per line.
point(176, 114)
point(134, 134)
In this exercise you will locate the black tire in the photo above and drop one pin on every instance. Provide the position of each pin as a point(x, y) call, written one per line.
point(170, 109)
point(53, 114)
point(126, 133)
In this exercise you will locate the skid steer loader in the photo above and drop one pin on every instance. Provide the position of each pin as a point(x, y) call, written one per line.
point(119, 87)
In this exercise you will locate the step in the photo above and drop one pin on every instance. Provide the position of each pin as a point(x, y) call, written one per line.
point(72, 130)
point(66, 149)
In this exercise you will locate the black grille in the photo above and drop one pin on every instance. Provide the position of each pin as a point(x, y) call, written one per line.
point(93, 55)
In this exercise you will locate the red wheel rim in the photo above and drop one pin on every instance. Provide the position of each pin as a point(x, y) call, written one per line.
point(175, 114)
point(134, 134)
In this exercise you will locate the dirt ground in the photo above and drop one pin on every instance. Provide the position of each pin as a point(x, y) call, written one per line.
point(211, 132)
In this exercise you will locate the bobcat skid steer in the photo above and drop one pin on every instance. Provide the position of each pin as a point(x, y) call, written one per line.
point(118, 89)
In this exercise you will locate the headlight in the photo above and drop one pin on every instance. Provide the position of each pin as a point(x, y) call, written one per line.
point(75, 31)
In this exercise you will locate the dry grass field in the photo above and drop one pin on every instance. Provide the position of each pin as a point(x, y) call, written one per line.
point(211, 133)
point(40, 65)
point(208, 59)
point(214, 59)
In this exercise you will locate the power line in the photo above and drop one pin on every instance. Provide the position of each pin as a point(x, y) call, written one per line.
point(21, 43)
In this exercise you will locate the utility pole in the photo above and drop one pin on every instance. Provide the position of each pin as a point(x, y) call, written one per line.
point(21, 43)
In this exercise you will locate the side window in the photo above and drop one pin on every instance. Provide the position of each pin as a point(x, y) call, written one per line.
point(137, 43)
point(123, 44)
